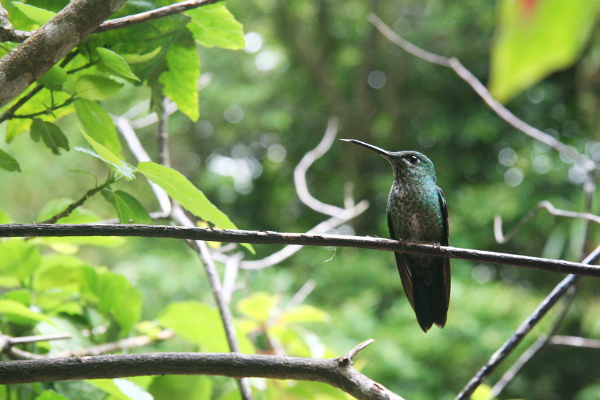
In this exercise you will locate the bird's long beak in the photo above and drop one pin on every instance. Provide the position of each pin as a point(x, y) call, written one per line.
point(381, 151)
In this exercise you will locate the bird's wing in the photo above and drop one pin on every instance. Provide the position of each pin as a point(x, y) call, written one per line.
point(444, 242)
point(405, 274)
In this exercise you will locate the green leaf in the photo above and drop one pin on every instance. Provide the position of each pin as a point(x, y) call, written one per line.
point(38, 15)
point(96, 87)
point(50, 395)
point(258, 306)
point(129, 209)
point(302, 314)
point(52, 135)
point(535, 39)
point(54, 78)
point(122, 389)
point(19, 258)
point(115, 63)
point(181, 80)
point(8, 163)
point(214, 26)
point(182, 190)
point(166, 387)
point(141, 58)
point(109, 158)
point(20, 314)
point(99, 125)
point(204, 329)
point(118, 298)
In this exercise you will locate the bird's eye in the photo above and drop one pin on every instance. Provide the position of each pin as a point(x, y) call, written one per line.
point(414, 160)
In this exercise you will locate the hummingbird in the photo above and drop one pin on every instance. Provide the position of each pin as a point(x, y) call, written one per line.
point(417, 213)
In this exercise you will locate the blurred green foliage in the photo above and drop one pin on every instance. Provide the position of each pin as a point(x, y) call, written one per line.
point(237, 141)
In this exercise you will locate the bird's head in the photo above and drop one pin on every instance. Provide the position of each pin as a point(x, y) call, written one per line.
point(408, 165)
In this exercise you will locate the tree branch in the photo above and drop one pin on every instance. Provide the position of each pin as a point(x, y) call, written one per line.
point(24, 64)
point(337, 372)
point(270, 237)
point(161, 12)
point(481, 90)
point(523, 330)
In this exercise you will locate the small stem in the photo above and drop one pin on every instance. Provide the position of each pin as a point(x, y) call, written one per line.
point(71, 207)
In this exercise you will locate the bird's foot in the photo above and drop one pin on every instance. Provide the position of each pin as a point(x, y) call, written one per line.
point(437, 247)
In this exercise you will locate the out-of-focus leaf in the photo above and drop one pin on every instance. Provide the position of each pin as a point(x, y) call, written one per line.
point(36, 14)
point(303, 313)
point(536, 38)
point(8, 163)
point(119, 299)
point(141, 58)
point(122, 389)
point(214, 26)
point(181, 79)
point(52, 135)
point(201, 325)
point(19, 258)
point(115, 63)
point(99, 125)
point(50, 395)
point(167, 387)
point(129, 209)
point(54, 78)
point(258, 306)
point(190, 197)
point(20, 314)
point(96, 87)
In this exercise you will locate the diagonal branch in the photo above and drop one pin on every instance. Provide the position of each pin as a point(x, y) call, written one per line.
point(527, 325)
point(481, 90)
point(24, 64)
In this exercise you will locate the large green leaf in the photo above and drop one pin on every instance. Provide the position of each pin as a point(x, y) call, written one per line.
point(129, 209)
point(181, 79)
point(119, 299)
point(214, 26)
point(99, 125)
point(115, 63)
point(50, 395)
point(20, 314)
point(36, 14)
point(52, 136)
point(96, 87)
point(8, 163)
point(19, 258)
point(54, 78)
point(536, 38)
point(201, 325)
point(190, 197)
point(122, 389)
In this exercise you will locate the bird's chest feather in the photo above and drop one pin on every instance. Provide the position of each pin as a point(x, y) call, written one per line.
point(416, 213)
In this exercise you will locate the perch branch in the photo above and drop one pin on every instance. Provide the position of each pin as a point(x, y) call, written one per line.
point(269, 237)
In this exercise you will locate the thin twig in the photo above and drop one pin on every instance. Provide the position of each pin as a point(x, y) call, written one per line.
point(308, 160)
point(357, 349)
point(161, 12)
point(270, 237)
point(481, 90)
point(501, 238)
point(523, 329)
point(574, 341)
point(73, 206)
